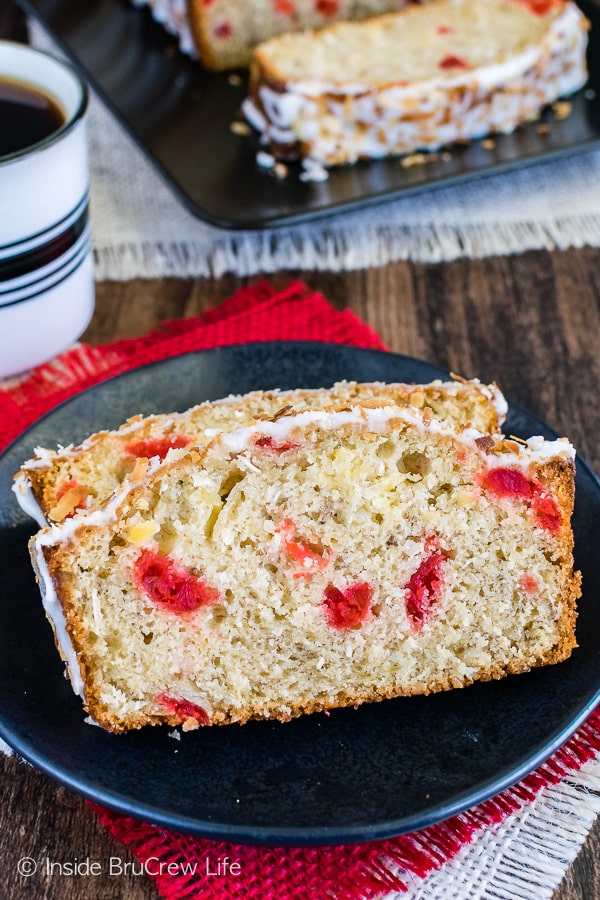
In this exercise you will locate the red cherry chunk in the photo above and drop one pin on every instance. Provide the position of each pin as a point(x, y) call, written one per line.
point(327, 7)
point(540, 7)
point(348, 607)
point(451, 61)
point(77, 498)
point(513, 484)
point(508, 483)
point(301, 549)
point(184, 709)
point(157, 446)
point(170, 585)
point(284, 7)
point(529, 584)
point(223, 29)
point(423, 589)
point(65, 486)
point(268, 443)
point(547, 513)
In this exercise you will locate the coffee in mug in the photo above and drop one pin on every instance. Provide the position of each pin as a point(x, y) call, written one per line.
point(46, 278)
point(27, 116)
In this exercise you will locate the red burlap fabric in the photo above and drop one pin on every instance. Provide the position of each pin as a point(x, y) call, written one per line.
point(352, 872)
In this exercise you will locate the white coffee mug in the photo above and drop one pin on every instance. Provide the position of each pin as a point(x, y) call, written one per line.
point(46, 278)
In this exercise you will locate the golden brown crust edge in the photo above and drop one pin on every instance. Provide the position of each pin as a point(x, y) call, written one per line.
point(561, 475)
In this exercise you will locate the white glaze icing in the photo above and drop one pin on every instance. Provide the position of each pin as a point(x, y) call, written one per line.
point(535, 450)
point(55, 614)
point(26, 500)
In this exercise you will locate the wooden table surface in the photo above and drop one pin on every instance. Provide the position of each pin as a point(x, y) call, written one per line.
point(531, 322)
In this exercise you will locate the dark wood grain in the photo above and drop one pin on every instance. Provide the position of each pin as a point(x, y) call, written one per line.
point(531, 322)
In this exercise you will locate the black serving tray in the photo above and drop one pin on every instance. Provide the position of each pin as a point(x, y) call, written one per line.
point(181, 115)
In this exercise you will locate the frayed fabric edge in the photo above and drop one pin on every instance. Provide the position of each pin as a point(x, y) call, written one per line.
point(350, 248)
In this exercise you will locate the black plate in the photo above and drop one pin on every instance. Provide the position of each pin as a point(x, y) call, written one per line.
point(181, 116)
point(381, 770)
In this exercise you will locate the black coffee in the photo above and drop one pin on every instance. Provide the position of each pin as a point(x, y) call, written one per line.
point(27, 116)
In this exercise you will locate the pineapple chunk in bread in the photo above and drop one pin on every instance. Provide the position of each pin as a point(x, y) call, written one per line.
point(56, 483)
point(422, 78)
point(324, 559)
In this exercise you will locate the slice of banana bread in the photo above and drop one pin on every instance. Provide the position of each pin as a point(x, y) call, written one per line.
point(324, 559)
point(428, 76)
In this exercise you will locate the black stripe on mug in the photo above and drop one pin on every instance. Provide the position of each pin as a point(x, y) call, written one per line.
point(72, 266)
point(46, 275)
point(45, 253)
point(37, 237)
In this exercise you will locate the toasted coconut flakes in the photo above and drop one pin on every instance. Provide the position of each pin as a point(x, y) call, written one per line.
point(240, 128)
point(513, 446)
point(190, 724)
point(562, 109)
point(415, 159)
point(265, 160)
point(68, 503)
point(486, 444)
point(140, 469)
point(282, 412)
